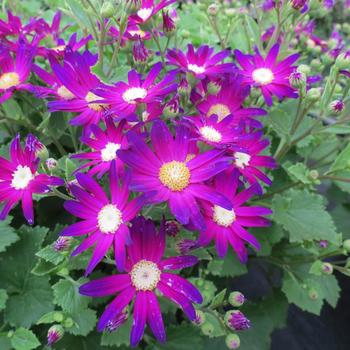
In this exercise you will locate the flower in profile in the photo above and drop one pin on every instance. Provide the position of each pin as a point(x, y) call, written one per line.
point(140, 52)
point(172, 174)
point(15, 71)
point(248, 160)
point(228, 226)
point(104, 145)
point(268, 74)
point(54, 334)
point(104, 220)
point(236, 320)
point(229, 101)
point(75, 90)
point(123, 98)
point(19, 178)
point(146, 274)
point(148, 9)
point(168, 23)
point(201, 63)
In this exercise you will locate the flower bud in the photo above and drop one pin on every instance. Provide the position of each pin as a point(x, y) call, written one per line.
point(107, 9)
point(184, 88)
point(54, 334)
point(62, 243)
point(168, 24)
point(343, 60)
point(200, 317)
point(34, 145)
point(172, 228)
point(336, 106)
point(323, 243)
point(236, 299)
point(313, 175)
point(313, 95)
point(213, 9)
point(185, 34)
point(346, 245)
point(207, 328)
point(236, 320)
point(51, 163)
point(184, 246)
point(140, 52)
point(232, 341)
point(298, 4)
point(58, 316)
point(313, 294)
point(230, 12)
point(327, 268)
point(68, 323)
point(304, 68)
point(297, 79)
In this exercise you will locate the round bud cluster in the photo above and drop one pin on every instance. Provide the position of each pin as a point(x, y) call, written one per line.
point(232, 341)
point(236, 299)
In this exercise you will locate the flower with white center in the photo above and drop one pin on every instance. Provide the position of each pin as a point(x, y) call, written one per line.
point(63, 92)
point(134, 93)
point(175, 175)
point(59, 48)
point(21, 177)
point(145, 275)
point(109, 219)
point(145, 13)
point(210, 134)
point(110, 151)
point(263, 76)
point(241, 159)
point(90, 97)
point(8, 80)
point(196, 69)
point(223, 217)
point(220, 110)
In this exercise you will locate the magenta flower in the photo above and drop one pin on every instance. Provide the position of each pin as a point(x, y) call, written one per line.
point(201, 63)
point(15, 71)
point(148, 9)
point(104, 220)
point(219, 134)
point(146, 273)
point(19, 178)
point(228, 226)
point(174, 174)
point(229, 100)
point(247, 158)
point(104, 145)
point(269, 75)
point(124, 98)
point(75, 90)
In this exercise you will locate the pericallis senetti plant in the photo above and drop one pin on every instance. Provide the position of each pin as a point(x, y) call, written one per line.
point(189, 143)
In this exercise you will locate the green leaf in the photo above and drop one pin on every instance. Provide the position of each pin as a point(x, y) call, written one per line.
point(85, 322)
point(303, 214)
point(66, 295)
point(342, 161)
point(30, 296)
point(12, 109)
point(119, 337)
point(43, 268)
point(337, 129)
point(3, 298)
point(267, 237)
point(8, 235)
point(24, 339)
point(228, 267)
point(298, 172)
point(50, 255)
point(219, 329)
point(5, 342)
point(218, 299)
point(316, 268)
point(79, 13)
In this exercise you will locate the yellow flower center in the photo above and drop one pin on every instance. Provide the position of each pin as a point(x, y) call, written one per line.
point(210, 134)
point(220, 110)
point(174, 175)
point(8, 80)
point(90, 97)
point(223, 217)
point(63, 92)
point(263, 76)
point(109, 219)
point(145, 275)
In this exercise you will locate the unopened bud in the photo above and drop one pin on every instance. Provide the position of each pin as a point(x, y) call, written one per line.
point(297, 79)
point(313, 94)
point(107, 10)
point(172, 228)
point(54, 334)
point(236, 299)
point(62, 243)
point(68, 323)
point(232, 341)
point(51, 163)
point(314, 174)
point(304, 68)
point(185, 34)
point(343, 61)
point(323, 243)
point(58, 316)
point(346, 245)
point(336, 106)
point(327, 268)
point(213, 9)
point(236, 320)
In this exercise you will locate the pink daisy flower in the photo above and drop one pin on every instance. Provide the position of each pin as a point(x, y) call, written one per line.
point(148, 9)
point(268, 74)
point(104, 220)
point(146, 274)
point(201, 63)
point(104, 145)
point(173, 173)
point(228, 226)
point(19, 178)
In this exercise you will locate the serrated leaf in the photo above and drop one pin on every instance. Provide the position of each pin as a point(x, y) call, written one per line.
point(85, 322)
point(316, 268)
point(342, 161)
point(227, 267)
point(299, 172)
point(218, 299)
point(43, 268)
point(51, 255)
point(66, 295)
point(3, 298)
point(24, 339)
point(8, 235)
point(304, 216)
point(119, 337)
point(47, 318)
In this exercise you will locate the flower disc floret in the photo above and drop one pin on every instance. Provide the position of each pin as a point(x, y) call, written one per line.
point(175, 175)
point(8, 80)
point(145, 275)
point(223, 217)
point(21, 177)
point(109, 219)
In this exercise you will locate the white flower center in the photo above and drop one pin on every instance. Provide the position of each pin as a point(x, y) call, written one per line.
point(145, 275)
point(90, 97)
point(63, 92)
point(242, 159)
point(196, 69)
point(59, 48)
point(139, 33)
point(8, 80)
point(220, 110)
point(145, 13)
point(223, 217)
point(210, 134)
point(263, 76)
point(133, 94)
point(21, 177)
point(110, 151)
point(109, 219)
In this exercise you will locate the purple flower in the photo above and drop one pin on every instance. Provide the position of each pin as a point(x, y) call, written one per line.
point(104, 220)
point(140, 52)
point(148, 9)
point(168, 23)
point(19, 179)
point(124, 98)
point(227, 226)
point(201, 63)
point(171, 175)
point(104, 145)
point(62, 243)
point(54, 334)
point(267, 74)
point(146, 274)
point(237, 321)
